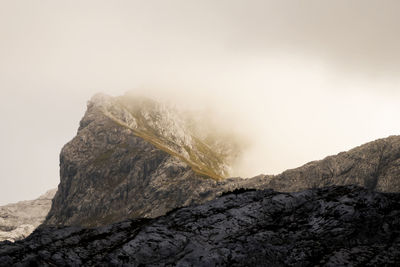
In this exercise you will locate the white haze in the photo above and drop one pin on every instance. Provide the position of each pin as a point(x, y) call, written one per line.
point(299, 79)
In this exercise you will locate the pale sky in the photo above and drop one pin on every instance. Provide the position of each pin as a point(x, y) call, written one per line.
point(300, 79)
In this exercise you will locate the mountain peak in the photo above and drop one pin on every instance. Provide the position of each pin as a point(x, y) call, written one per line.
point(171, 130)
point(137, 157)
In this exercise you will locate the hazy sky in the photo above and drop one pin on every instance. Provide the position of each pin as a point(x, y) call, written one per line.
point(301, 79)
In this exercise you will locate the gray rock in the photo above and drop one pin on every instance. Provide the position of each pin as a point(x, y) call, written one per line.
point(375, 165)
point(333, 226)
point(18, 220)
point(127, 162)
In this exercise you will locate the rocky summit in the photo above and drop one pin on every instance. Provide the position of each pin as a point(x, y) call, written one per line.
point(137, 158)
point(134, 157)
point(333, 226)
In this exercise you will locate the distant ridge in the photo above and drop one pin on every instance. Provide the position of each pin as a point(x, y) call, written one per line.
point(375, 166)
point(18, 220)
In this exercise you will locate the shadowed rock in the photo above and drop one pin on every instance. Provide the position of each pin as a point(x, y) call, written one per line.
point(334, 226)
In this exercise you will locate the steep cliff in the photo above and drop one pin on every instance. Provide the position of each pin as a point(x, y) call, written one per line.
point(18, 220)
point(334, 226)
point(133, 157)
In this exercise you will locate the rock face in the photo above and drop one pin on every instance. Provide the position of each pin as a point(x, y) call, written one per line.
point(136, 158)
point(133, 157)
point(375, 165)
point(333, 226)
point(18, 220)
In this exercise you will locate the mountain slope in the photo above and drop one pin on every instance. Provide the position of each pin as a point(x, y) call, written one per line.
point(168, 130)
point(18, 220)
point(334, 226)
point(133, 161)
point(375, 165)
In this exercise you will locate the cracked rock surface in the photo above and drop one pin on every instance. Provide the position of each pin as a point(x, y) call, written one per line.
point(333, 226)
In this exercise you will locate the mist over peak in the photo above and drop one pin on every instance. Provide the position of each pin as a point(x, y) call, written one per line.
point(192, 136)
point(298, 80)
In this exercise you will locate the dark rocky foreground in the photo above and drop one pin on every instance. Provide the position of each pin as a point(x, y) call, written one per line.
point(333, 226)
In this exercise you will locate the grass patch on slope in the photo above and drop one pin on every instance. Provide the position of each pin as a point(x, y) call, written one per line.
point(149, 136)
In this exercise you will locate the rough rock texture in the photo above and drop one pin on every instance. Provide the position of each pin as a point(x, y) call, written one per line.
point(334, 226)
point(18, 220)
point(122, 165)
point(375, 165)
point(133, 157)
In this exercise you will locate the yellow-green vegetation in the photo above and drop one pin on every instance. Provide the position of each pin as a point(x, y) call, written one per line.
point(205, 162)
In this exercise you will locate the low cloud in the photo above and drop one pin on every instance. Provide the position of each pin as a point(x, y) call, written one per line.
point(298, 79)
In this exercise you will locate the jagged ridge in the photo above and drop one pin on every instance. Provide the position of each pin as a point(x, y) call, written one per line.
point(375, 165)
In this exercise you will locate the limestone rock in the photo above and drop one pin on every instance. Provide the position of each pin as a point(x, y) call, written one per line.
point(18, 220)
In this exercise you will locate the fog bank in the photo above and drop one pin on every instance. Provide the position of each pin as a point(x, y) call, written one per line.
point(299, 79)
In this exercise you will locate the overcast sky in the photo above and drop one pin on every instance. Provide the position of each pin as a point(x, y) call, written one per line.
point(301, 79)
